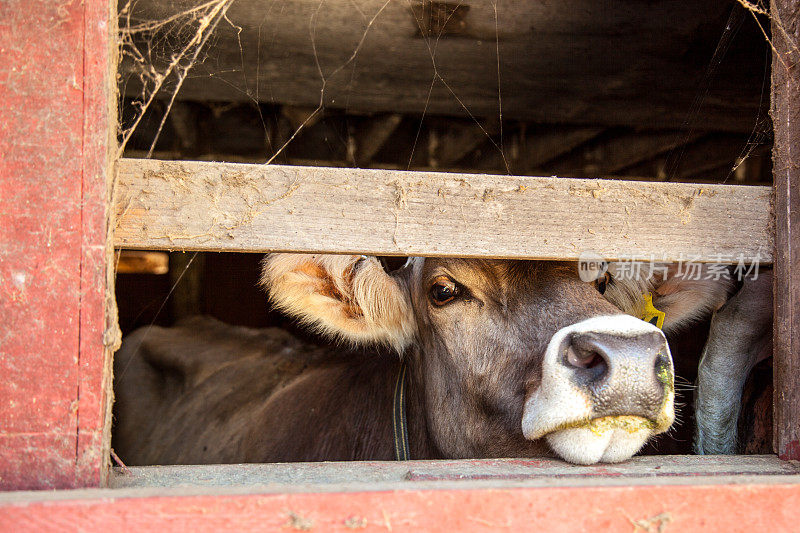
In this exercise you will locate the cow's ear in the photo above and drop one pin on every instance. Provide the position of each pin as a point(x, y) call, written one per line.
point(347, 297)
point(689, 295)
point(683, 294)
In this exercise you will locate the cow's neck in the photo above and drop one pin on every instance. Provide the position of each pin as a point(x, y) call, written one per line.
point(353, 419)
point(376, 388)
point(420, 442)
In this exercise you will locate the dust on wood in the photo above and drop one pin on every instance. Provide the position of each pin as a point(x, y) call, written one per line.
point(298, 522)
point(654, 524)
point(226, 206)
point(355, 522)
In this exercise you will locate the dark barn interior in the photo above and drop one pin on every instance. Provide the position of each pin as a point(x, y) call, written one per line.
point(662, 91)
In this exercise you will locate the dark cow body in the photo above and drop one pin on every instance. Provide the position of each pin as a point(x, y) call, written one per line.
point(251, 396)
point(523, 360)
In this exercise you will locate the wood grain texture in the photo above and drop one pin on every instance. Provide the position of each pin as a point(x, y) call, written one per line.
point(786, 158)
point(99, 333)
point(257, 208)
point(585, 62)
point(54, 136)
point(386, 475)
point(141, 262)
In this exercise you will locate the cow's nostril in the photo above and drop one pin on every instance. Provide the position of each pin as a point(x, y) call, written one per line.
point(584, 358)
point(588, 362)
point(662, 368)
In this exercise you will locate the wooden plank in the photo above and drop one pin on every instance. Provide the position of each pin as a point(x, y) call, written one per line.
point(394, 475)
point(374, 135)
point(54, 136)
point(614, 153)
point(99, 333)
point(584, 63)
point(542, 147)
point(595, 503)
point(141, 262)
point(256, 208)
point(786, 120)
point(186, 274)
point(452, 142)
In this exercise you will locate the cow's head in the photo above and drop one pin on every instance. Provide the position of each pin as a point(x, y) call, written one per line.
point(514, 358)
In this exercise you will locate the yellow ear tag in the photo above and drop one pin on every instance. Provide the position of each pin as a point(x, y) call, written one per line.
point(650, 314)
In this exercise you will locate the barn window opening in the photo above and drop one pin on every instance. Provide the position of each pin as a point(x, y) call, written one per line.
point(661, 94)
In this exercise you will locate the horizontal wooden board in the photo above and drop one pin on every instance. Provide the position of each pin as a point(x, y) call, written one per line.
point(142, 262)
point(259, 208)
point(394, 475)
point(584, 62)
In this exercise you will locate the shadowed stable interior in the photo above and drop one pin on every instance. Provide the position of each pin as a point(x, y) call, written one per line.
point(665, 91)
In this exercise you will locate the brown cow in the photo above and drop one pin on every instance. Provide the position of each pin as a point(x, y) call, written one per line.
point(503, 358)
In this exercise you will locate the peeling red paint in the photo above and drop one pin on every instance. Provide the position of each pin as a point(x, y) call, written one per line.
point(53, 140)
point(685, 508)
point(790, 451)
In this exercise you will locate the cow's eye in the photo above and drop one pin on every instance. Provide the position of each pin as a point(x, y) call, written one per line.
point(602, 282)
point(444, 291)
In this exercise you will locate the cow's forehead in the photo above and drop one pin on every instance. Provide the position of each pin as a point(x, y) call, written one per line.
point(490, 271)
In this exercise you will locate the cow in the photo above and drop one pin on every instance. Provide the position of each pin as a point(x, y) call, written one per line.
point(488, 358)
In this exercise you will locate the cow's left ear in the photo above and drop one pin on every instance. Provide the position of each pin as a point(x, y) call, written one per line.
point(689, 295)
point(684, 295)
point(347, 297)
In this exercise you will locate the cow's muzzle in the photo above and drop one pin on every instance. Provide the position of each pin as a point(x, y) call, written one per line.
point(606, 388)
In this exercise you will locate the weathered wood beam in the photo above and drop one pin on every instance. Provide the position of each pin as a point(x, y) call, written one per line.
point(374, 135)
point(752, 172)
point(542, 472)
point(630, 149)
point(142, 262)
point(593, 63)
point(613, 154)
point(785, 111)
point(455, 141)
point(256, 208)
point(58, 139)
point(695, 159)
point(640, 494)
point(542, 147)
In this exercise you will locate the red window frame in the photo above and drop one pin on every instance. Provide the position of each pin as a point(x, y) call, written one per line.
point(58, 146)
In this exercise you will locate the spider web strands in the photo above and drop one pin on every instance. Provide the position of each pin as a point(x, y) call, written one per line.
point(462, 96)
point(209, 15)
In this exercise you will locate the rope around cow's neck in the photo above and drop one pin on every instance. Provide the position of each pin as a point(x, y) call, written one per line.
point(399, 422)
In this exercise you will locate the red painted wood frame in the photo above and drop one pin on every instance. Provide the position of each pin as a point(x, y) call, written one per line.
point(646, 509)
point(56, 132)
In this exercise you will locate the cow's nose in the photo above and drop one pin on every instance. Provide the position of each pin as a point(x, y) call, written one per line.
point(623, 374)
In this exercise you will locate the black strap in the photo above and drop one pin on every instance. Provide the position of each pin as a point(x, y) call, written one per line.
point(399, 423)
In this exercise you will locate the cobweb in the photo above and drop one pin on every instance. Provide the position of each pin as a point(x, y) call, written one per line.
point(158, 56)
point(162, 53)
point(162, 45)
